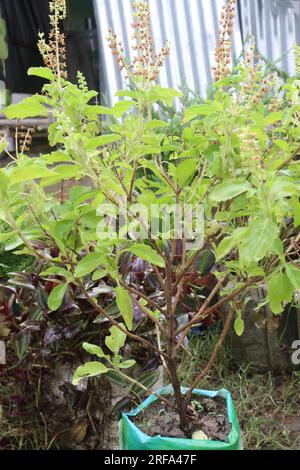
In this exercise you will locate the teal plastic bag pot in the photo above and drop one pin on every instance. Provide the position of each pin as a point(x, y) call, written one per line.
point(132, 438)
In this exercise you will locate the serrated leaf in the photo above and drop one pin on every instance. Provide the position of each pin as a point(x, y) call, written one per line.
point(229, 190)
point(147, 253)
point(4, 182)
point(282, 144)
point(3, 144)
point(198, 110)
point(42, 72)
point(29, 173)
point(56, 157)
point(90, 369)
point(66, 172)
point(57, 271)
point(29, 107)
point(157, 93)
point(282, 189)
point(258, 239)
point(293, 273)
point(99, 274)
point(102, 140)
point(128, 93)
point(225, 247)
point(122, 107)
point(185, 171)
point(296, 210)
point(56, 297)
point(273, 117)
point(125, 305)
point(97, 109)
point(155, 124)
point(88, 264)
point(280, 291)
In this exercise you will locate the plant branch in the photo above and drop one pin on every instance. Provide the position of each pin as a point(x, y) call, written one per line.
point(213, 357)
point(101, 310)
point(202, 309)
point(148, 390)
point(228, 298)
point(289, 159)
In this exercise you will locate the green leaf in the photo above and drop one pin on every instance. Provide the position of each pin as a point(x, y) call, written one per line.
point(128, 94)
point(185, 171)
point(239, 326)
point(94, 350)
point(88, 264)
point(278, 247)
point(29, 107)
point(4, 182)
point(296, 210)
point(122, 107)
point(102, 140)
point(155, 124)
point(280, 290)
point(66, 172)
point(21, 342)
point(3, 144)
point(31, 172)
point(225, 247)
point(101, 109)
point(229, 190)
point(99, 274)
point(116, 340)
point(125, 305)
point(167, 95)
point(198, 110)
point(147, 253)
point(127, 364)
point(282, 144)
point(148, 379)
point(258, 240)
point(115, 377)
point(274, 117)
point(56, 157)
point(57, 271)
point(56, 297)
point(90, 369)
point(293, 274)
point(282, 189)
point(42, 72)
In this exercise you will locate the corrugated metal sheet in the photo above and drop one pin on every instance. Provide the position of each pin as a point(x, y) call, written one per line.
point(191, 26)
point(276, 26)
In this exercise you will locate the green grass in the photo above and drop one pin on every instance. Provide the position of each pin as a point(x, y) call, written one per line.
point(265, 403)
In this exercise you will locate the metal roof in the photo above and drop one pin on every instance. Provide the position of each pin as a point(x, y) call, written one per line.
point(191, 26)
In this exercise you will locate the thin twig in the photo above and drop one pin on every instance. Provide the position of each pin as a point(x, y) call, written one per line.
point(213, 357)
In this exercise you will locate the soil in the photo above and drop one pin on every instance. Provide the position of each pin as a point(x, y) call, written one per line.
point(205, 414)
